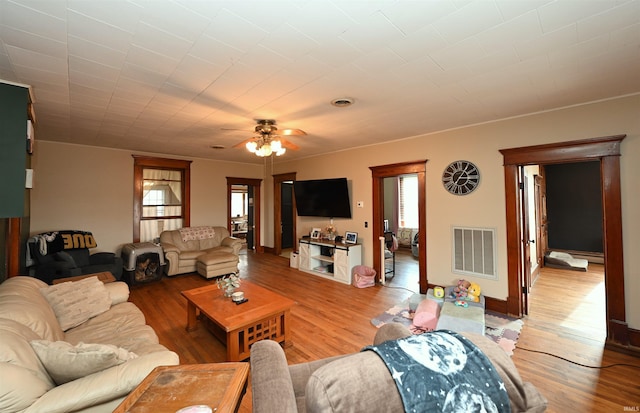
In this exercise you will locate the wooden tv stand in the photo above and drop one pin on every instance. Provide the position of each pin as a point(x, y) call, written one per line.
point(328, 259)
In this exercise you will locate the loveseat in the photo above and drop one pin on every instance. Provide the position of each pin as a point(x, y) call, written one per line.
point(53, 359)
point(361, 382)
point(62, 254)
point(209, 250)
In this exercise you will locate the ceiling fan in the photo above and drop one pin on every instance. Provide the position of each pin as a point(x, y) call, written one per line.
point(268, 139)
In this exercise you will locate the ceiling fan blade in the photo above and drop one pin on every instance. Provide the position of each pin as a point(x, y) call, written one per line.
point(286, 144)
point(243, 143)
point(234, 129)
point(291, 132)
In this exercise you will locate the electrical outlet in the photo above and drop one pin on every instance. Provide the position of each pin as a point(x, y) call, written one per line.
point(366, 224)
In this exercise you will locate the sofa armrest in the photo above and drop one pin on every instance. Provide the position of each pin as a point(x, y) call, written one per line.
point(390, 331)
point(118, 291)
point(271, 385)
point(167, 248)
point(172, 255)
point(103, 386)
point(233, 242)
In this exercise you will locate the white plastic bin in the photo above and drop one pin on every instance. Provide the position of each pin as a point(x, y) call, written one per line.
point(293, 260)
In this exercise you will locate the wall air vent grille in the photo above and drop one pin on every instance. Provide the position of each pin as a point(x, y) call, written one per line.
point(474, 252)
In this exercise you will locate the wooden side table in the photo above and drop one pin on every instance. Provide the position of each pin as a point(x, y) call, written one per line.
point(170, 388)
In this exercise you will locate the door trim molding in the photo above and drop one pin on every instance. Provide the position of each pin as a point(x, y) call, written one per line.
point(278, 179)
point(255, 183)
point(607, 151)
point(378, 173)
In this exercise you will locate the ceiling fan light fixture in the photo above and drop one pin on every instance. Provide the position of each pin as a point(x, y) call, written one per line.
point(252, 146)
point(265, 150)
point(342, 102)
point(268, 141)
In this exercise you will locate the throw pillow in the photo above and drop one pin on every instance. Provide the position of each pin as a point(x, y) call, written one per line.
point(74, 302)
point(65, 362)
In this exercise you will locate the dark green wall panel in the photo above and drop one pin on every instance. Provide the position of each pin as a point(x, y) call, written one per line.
point(13, 154)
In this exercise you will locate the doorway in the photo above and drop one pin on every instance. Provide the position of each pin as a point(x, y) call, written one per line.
point(401, 230)
point(606, 150)
point(245, 224)
point(284, 213)
point(378, 175)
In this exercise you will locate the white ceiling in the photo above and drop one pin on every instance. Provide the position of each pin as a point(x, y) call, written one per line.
point(167, 76)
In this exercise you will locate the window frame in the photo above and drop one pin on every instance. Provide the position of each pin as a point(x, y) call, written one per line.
point(147, 162)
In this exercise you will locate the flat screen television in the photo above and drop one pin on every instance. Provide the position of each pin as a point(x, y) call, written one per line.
point(322, 198)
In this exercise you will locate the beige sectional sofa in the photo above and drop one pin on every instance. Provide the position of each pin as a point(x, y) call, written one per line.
point(53, 360)
point(210, 251)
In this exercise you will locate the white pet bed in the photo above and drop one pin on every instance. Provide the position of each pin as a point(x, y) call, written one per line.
point(565, 261)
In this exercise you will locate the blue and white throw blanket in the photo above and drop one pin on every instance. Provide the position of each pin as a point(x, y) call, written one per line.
point(443, 371)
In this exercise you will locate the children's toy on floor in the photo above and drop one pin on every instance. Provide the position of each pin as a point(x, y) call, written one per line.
point(426, 316)
point(473, 293)
point(461, 303)
point(461, 289)
point(438, 292)
point(462, 313)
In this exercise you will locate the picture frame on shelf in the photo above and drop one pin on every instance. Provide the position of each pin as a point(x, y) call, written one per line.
point(350, 237)
point(315, 233)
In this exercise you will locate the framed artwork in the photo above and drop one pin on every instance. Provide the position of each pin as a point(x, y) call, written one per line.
point(315, 233)
point(351, 237)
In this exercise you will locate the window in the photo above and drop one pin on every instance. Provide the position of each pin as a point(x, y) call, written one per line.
point(239, 201)
point(408, 201)
point(161, 196)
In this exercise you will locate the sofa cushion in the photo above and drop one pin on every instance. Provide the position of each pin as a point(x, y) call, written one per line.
point(122, 326)
point(64, 256)
point(74, 302)
point(21, 300)
point(15, 349)
point(18, 389)
point(80, 256)
point(356, 383)
point(23, 379)
point(65, 362)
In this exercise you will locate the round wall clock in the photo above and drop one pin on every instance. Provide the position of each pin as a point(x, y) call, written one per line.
point(461, 177)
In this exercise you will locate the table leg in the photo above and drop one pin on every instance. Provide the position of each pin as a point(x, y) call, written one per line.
point(233, 346)
point(191, 316)
point(286, 328)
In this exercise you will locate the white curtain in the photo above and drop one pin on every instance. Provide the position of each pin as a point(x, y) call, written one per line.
point(166, 202)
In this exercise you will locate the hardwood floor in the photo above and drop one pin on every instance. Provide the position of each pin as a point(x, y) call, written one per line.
point(332, 318)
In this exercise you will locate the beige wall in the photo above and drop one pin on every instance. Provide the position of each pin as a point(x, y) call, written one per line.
point(78, 187)
point(91, 189)
point(486, 206)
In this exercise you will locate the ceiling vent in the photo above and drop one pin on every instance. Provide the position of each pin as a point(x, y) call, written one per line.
point(342, 102)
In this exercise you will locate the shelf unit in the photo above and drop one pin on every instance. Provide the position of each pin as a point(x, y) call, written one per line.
point(329, 259)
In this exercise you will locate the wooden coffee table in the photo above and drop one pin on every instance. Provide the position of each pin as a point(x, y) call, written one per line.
point(264, 316)
point(170, 388)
